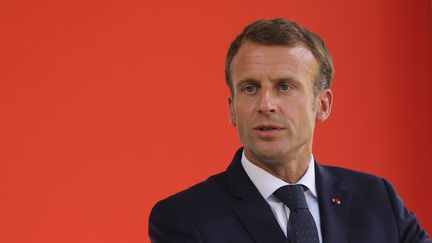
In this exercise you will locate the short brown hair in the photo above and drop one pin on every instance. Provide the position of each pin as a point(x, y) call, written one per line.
point(287, 33)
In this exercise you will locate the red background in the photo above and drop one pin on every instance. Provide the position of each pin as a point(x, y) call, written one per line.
point(108, 106)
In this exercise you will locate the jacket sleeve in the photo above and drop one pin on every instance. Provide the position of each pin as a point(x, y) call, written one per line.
point(169, 225)
point(410, 230)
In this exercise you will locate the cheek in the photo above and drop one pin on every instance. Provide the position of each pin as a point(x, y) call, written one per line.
point(242, 110)
point(243, 119)
point(299, 111)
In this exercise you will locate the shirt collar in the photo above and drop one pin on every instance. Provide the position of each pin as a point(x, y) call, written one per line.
point(267, 183)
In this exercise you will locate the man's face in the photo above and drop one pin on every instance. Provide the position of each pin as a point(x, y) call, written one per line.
point(273, 104)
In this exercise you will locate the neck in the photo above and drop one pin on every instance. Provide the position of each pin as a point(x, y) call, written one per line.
point(289, 169)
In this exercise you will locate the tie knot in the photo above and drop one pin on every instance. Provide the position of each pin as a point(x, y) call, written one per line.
point(292, 196)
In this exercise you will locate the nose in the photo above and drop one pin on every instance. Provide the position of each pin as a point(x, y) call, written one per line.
point(267, 103)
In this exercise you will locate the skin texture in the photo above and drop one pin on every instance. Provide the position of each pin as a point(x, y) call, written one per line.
point(274, 108)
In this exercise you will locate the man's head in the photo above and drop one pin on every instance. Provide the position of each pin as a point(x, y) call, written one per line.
point(279, 76)
point(283, 32)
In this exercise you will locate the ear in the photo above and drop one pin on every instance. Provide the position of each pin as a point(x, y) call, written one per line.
point(232, 117)
point(323, 105)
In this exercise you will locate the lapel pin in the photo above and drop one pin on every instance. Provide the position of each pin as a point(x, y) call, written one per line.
point(336, 201)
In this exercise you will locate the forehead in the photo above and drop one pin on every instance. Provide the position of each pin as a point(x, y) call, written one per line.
point(256, 58)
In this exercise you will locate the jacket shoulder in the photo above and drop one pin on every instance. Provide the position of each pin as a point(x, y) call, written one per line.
point(204, 200)
point(202, 191)
point(179, 217)
point(345, 175)
point(382, 199)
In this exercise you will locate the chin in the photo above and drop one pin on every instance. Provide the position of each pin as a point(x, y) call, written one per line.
point(266, 154)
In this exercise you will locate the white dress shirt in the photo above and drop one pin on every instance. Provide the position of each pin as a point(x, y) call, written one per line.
point(267, 184)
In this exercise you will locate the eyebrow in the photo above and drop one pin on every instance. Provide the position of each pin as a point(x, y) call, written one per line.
point(247, 81)
point(289, 80)
point(256, 82)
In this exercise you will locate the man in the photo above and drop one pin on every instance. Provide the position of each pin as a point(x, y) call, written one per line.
point(279, 75)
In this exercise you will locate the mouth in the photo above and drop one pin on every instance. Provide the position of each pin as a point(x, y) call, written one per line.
point(268, 131)
point(268, 128)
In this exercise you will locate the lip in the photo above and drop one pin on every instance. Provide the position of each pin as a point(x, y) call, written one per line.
point(268, 126)
point(268, 131)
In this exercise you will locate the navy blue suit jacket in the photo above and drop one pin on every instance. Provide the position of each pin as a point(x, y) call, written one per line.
point(227, 208)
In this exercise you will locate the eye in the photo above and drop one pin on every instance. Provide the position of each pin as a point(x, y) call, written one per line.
point(250, 89)
point(284, 87)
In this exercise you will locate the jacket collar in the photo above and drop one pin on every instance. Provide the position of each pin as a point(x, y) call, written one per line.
point(333, 201)
point(252, 210)
point(257, 217)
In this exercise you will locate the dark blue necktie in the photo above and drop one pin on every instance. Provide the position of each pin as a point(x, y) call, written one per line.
point(301, 225)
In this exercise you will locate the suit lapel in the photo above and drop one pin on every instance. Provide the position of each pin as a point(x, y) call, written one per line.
point(252, 210)
point(334, 216)
point(256, 216)
point(259, 221)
